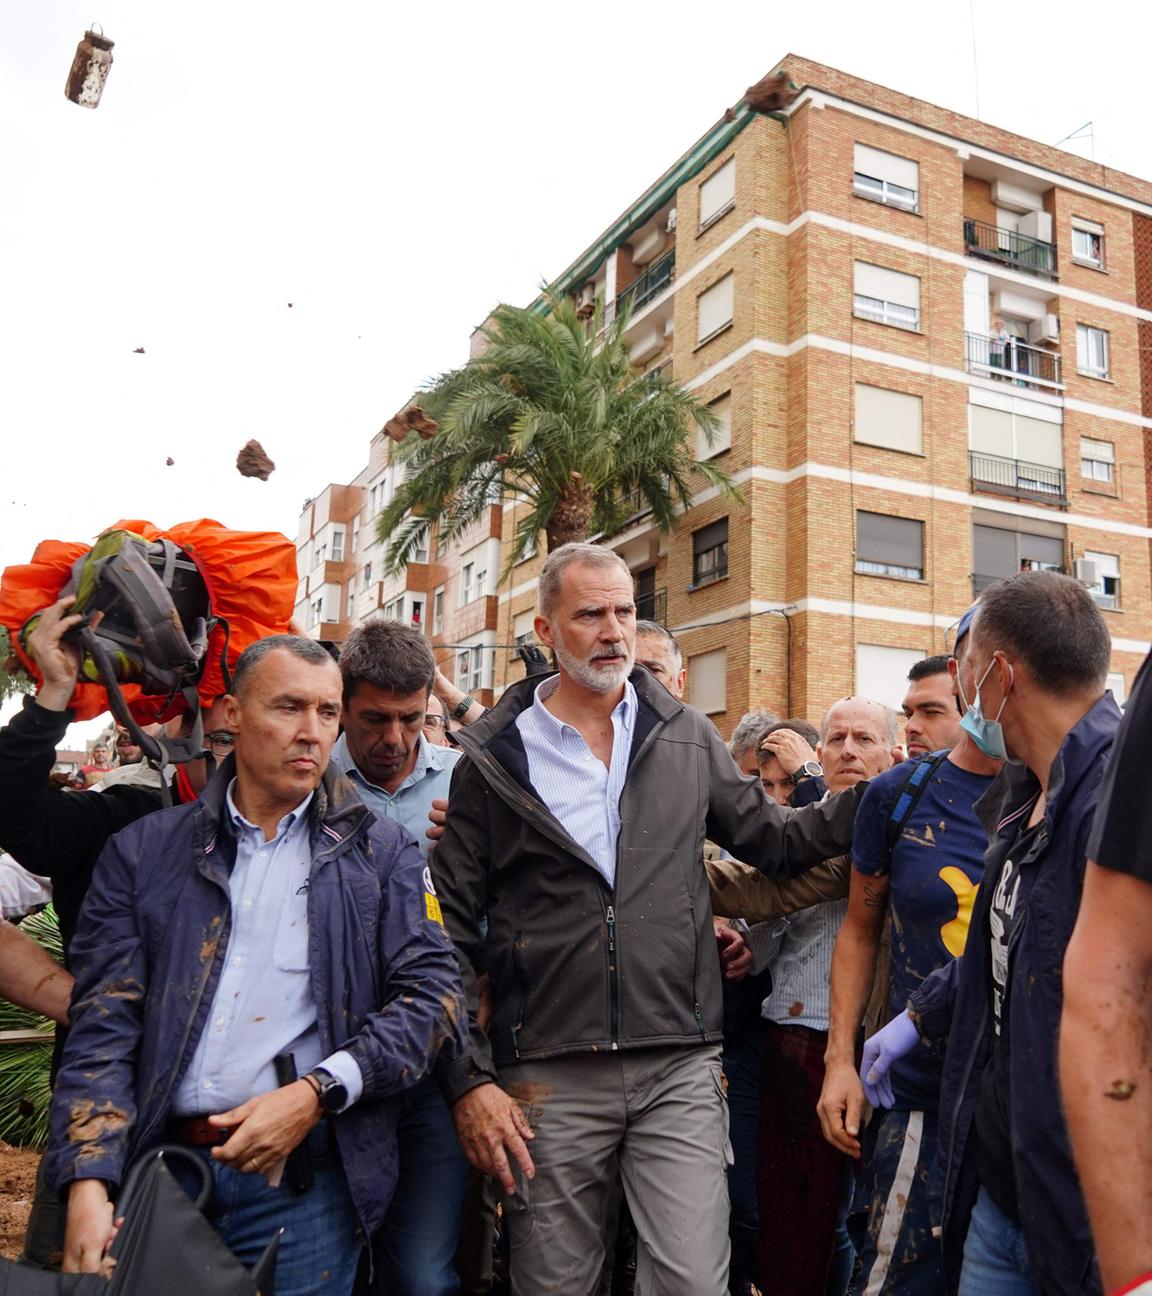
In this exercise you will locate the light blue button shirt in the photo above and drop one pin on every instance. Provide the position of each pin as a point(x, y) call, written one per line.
point(571, 781)
point(431, 778)
point(263, 1004)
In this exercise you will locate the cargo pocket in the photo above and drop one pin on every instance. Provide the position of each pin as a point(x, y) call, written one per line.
point(720, 1085)
point(520, 1211)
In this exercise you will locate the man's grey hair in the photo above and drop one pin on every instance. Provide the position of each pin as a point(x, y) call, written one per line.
point(889, 718)
point(654, 630)
point(387, 655)
point(749, 732)
point(559, 560)
point(308, 650)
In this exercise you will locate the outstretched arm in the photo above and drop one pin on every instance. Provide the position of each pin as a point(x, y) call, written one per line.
point(30, 977)
point(1106, 1067)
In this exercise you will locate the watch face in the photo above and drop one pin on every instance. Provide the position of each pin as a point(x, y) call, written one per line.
point(333, 1096)
point(812, 768)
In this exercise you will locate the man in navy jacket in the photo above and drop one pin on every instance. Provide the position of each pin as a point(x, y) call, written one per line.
point(274, 916)
point(1013, 1215)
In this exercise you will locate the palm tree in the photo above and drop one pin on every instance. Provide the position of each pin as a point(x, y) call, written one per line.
point(555, 415)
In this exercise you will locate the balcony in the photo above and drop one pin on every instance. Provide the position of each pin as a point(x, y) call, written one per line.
point(648, 287)
point(981, 582)
point(1015, 251)
point(1014, 477)
point(1013, 361)
point(653, 606)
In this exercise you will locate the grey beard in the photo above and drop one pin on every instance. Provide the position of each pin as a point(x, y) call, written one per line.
point(601, 679)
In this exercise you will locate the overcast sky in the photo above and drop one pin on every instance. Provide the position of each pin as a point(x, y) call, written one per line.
point(391, 171)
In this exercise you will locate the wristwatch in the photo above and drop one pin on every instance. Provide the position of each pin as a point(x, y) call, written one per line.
point(461, 709)
point(810, 769)
point(330, 1092)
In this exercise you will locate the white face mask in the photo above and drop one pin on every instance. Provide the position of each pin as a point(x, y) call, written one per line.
point(987, 734)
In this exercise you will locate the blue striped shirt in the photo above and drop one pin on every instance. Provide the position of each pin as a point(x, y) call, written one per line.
point(803, 965)
point(572, 782)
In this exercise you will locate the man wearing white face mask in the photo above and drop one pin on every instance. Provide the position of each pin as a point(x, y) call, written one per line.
point(1014, 1220)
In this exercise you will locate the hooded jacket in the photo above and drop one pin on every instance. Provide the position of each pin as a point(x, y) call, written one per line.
point(150, 947)
point(579, 966)
point(956, 1001)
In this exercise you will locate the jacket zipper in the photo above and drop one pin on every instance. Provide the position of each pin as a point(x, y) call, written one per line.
point(613, 976)
point(522, 977)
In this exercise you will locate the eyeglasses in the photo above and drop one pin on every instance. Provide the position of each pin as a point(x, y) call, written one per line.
point(433, 721)
point(221, 740)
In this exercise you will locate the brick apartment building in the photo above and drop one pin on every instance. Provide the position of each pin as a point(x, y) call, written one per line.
point(930, 345)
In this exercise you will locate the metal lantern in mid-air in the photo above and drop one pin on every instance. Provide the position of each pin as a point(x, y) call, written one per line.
point(89, 69)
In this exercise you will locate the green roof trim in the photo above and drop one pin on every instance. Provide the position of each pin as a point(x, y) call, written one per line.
point(692, 163)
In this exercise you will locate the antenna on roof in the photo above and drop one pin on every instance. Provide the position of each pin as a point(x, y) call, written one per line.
point(1079, 133)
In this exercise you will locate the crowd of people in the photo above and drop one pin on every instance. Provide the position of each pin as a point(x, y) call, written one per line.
point(570, 996)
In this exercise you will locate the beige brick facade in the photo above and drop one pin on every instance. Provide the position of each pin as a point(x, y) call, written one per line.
point(795, 614)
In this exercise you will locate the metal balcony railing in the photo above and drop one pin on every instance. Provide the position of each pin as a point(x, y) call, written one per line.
point(1016, 251)
point(1011, 359)
point(981, 582)
point(653, 606)
point(650, 285)
point(1017, 478)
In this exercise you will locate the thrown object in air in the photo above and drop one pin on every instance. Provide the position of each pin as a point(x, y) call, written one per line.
point(410, 419)
point(772, 93)
point(253, 462)
point(89, 69)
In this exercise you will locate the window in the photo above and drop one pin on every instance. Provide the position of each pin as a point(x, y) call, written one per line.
point(722, 437)
point(1016, 452)
point(1091, 351)
point(1119, 689)
point(472, 578)
point(438, 611)
point(367, 575)
point(470, 669)
point(718, 194)
point(349, 599)
point(889, 546)
point(417, 612)
point(317, 610)
point(708, 681)
point(1106, 590)
point(886, 296)
point(420, 553)
point(337, 546)
point(393, 610)
point(886, 178)
point(714, 309)
point(441, 543)
point(890, 419)
point(355, 533)
point(882, 673)
point(710, 554)
point(999, 551)
point(1088, 242)
point(1097, 460)
point(523, 628)
point(321, 555)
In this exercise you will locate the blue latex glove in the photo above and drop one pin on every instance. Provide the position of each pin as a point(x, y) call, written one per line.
point(888, 1045)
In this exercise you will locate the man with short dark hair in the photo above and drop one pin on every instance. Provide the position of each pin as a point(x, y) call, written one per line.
point(787, 763)
point(275, 918)
point(576, 827)
point(387, 671)
point(1033, 678)
point(913, 881)
point(659, 653)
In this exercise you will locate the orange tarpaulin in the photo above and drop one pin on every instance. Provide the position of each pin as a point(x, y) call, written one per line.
point(251, 582)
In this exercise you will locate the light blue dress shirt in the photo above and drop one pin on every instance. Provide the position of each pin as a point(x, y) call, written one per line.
point(571, 781)
point(263, 1004)
point(431, 778)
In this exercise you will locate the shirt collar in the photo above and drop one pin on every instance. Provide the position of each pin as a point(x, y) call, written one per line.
point(286, 824)
point(429, 760)
point(625, 708)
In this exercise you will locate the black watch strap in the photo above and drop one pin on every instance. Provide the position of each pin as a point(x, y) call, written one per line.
point(461, 709)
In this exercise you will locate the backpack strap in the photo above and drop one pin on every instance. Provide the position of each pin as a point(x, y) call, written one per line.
point(911, 792)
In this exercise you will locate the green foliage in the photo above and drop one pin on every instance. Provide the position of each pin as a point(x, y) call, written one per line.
point(25, 1091)
point(13, 677)
point(554, 413)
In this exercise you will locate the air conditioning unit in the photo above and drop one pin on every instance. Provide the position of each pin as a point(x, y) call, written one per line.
point(1013, 197)
point(1045, 329)
point(649, 247)
point(588, 294)
point(1086, 571)
point(671, 226)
